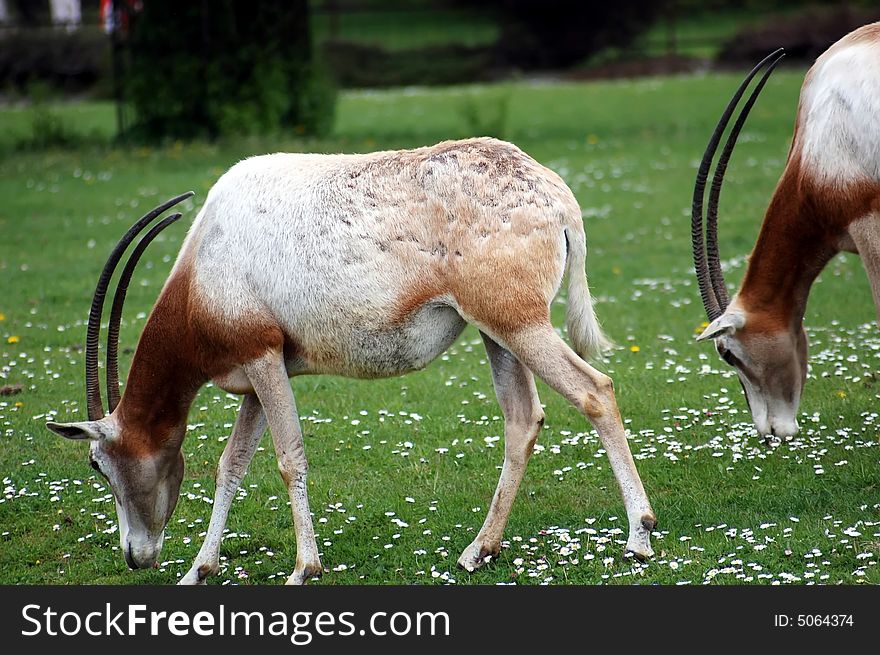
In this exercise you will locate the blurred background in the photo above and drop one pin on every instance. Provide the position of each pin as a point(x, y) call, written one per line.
point(208, 69)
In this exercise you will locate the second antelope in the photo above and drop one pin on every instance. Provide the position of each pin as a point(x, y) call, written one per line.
point(365, 266)
point(827, 200)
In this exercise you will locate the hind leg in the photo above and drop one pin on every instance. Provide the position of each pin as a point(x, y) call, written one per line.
point(865, 234)
point(523, 418)
point(592, 393)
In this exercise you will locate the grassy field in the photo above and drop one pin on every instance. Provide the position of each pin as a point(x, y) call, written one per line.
point(402, 470)
point(413, 28)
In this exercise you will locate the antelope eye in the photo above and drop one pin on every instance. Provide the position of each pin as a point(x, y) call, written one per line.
point(94, 465)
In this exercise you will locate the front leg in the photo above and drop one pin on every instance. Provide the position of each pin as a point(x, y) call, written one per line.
point(249, 428)
point(269, 379)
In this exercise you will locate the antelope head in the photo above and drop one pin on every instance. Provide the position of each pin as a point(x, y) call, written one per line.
point(145, 482)
point(769, 355)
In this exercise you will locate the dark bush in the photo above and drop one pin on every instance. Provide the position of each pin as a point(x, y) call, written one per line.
point(536, 35)
point(804, 36)
point(227, 67)
point(553, 34)
point(65, 61)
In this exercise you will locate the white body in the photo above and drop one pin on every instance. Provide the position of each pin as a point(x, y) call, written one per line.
point(839, 117)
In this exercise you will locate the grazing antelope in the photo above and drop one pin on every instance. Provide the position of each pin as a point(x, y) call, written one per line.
point(365, 266)
point(827, 200)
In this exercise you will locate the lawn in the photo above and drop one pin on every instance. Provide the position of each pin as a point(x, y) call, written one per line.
point(400, 29)
point(402, 470)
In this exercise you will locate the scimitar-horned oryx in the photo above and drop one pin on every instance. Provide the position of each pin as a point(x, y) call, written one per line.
point(827, 201)
point(364, 266)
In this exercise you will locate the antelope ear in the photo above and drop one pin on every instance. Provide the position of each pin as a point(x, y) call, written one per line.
point(84, 430)
point(727, 323)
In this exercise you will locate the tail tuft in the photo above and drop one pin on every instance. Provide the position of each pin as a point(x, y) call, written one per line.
point(583, 327)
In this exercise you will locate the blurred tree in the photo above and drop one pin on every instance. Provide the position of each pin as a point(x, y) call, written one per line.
point(546, 34)
point(220, 67)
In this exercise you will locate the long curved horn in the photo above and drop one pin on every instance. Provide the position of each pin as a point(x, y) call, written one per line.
point(715, 273)
point(701, 267)
point(93, 386)
point(116, 310)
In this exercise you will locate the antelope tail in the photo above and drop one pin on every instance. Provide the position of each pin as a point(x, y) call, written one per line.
point(583, 328)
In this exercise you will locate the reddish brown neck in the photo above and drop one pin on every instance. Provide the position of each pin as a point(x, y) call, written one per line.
point(158, 393)
point(165, 376)
point(793, 247)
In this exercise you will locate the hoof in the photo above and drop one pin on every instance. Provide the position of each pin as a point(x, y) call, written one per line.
point(772, 441)
point(477, 555)
point(198, 575)
point(639, 542)
point(190, 580)
point(642, 556)
point(302, 574)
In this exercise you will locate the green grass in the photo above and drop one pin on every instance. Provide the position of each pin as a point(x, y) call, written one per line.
point(424, 446)
point(404, 29)
point(94, 122)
